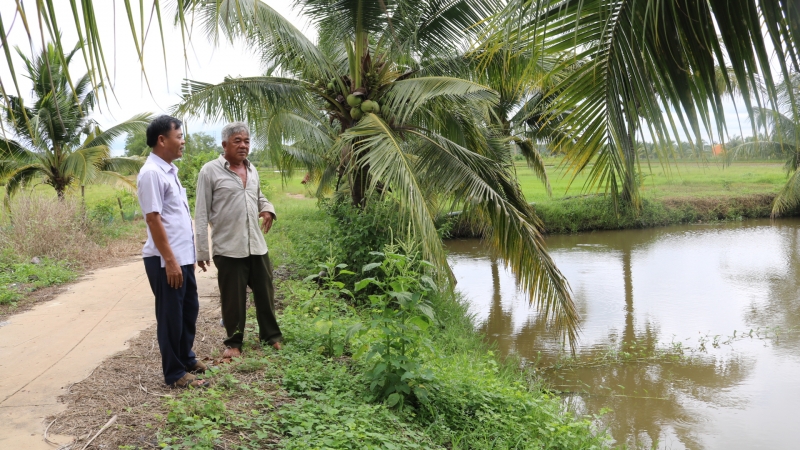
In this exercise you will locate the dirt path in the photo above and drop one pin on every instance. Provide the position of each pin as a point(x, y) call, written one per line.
point(45, 350)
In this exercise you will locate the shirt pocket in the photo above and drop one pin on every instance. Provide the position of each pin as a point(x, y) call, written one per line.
point(183, 195)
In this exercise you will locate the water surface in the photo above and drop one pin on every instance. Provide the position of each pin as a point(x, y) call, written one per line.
point(708, 316)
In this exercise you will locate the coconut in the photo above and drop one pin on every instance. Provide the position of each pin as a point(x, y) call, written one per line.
point(330, 86)
point(353, 100)
point(356, 113)
point(368, 106)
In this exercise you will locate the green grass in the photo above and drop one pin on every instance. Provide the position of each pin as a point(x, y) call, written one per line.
point(18, 278)
point(710, 179)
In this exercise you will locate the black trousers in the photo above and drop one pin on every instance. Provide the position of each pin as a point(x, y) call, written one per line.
point(176, 318)
point(233, 276)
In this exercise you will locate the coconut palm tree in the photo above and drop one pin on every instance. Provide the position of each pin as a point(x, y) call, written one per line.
point(359, 110)
point(647, 70)
point(55, 138)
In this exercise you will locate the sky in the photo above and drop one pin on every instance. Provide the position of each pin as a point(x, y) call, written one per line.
point(206, 62)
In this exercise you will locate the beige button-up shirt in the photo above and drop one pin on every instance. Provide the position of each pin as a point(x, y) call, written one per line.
point(231, 209)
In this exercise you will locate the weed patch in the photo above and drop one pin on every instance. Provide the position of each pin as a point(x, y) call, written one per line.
point(20, 278)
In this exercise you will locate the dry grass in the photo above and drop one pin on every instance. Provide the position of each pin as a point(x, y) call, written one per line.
point(41, 226)
point(46, 227)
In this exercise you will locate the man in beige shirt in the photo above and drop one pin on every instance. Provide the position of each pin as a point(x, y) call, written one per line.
point(229, 199)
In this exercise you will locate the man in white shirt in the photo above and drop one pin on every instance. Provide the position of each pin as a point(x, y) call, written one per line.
point(229, 199)
point(169, 253)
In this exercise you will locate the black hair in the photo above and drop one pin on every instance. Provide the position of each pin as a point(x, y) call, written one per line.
point(161, 126)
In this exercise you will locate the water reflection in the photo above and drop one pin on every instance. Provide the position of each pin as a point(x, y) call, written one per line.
point(651, 289)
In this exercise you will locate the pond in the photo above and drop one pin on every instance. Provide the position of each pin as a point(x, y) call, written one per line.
point(690, 335)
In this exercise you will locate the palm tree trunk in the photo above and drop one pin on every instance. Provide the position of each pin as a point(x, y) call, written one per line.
point(61, 189)
point(358, 187)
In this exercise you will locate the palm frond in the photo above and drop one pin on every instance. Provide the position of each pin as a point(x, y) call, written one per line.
point(406, 96)
point(115, 179)
point(484, 187)
point(135, 124)
point(247, 99)
point(534, 160)
point(125, 165)
point(279, 42)
point(84, 163)
point(20, 177)
point(377, 146)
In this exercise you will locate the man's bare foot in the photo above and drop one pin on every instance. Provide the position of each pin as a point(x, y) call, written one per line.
point(277, 346)
point(230, 353)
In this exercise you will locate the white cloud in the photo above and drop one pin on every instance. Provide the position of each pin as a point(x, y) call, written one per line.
point(203, 62)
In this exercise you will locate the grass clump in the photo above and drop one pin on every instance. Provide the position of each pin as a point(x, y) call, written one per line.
point(19, 278)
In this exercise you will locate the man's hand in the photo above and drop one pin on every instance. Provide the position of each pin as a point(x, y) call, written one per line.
point(174, 274)
point(267, 221)
point(203, 264)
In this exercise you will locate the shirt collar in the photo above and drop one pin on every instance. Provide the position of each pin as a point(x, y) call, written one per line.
point(163, 165)
point(227, 165)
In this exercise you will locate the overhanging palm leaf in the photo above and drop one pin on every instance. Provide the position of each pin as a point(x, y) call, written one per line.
point(485, 188)
point(406, 96)
point(135, 124)
point(633, 59)
point(243, 98)
point(377, 146)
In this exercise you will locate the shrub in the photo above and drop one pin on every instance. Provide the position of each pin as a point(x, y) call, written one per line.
point(359, 231)
point(189, 167)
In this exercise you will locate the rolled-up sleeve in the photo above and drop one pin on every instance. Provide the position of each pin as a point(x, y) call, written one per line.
point(201, 212)
point(149, 191)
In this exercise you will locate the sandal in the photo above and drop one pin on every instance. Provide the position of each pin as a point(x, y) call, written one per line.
point(190, 381)
point(199, 367)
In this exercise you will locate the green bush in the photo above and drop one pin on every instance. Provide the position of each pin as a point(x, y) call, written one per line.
point(358, 232)
point(107, 210)
point(189, 167)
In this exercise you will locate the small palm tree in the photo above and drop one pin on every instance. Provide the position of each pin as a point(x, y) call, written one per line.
point(56, 140)
point(368, 110)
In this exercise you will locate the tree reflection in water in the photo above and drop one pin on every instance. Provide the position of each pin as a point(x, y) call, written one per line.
point(646, 393)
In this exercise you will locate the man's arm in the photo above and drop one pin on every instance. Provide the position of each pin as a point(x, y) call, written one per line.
point(159, 233)
point(150, 193)
point(202, 207)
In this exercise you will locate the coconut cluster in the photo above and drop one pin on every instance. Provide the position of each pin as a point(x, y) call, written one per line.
point(356, 101)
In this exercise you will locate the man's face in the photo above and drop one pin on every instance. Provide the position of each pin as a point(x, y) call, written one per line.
point(237, 147)
point(173, 143)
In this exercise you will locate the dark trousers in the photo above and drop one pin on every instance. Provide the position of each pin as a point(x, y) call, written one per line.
point(176, 318)
point(233, 276)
